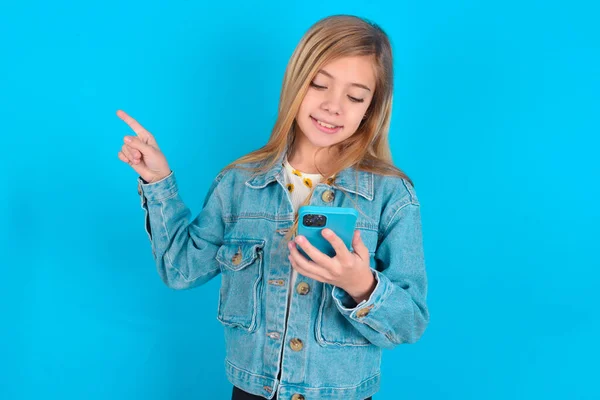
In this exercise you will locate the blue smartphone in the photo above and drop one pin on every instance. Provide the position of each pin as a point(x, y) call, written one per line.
point(313, 219)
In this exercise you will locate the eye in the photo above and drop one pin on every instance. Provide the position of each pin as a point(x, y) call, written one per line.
point(352, 99)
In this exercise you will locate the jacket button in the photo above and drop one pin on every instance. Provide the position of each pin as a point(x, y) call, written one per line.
point(297, 397)
point(237, 257)
point(363, 312)
point(328, 196)
point(302, 288)
point(296, 344)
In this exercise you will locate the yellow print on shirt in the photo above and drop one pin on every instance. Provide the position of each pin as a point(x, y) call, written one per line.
point(307, 182)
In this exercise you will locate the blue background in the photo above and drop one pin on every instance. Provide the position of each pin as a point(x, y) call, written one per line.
point(496, 119)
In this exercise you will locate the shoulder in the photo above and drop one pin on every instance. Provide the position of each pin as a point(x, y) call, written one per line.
point(239, 173)
point(394, 190)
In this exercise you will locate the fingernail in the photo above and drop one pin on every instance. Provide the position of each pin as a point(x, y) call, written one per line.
point(127, 139)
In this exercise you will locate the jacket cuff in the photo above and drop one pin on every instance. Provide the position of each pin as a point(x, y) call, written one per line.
point(159, 190)
point(348, 307)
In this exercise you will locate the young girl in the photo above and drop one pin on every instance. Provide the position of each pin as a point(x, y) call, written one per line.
point(298, 328)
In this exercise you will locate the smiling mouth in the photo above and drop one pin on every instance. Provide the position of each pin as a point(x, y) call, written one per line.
point(325, 124)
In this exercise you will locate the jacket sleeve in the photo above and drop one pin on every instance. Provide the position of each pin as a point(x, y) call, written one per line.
point(396, 311)
point(184, 251)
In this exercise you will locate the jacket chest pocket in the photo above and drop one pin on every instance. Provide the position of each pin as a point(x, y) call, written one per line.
point(241, 279)
point(332, 328)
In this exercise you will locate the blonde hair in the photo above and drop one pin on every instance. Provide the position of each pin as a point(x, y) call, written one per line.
point(368, 148)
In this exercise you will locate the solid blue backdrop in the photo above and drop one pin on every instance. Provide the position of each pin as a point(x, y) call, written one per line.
point(495, 119)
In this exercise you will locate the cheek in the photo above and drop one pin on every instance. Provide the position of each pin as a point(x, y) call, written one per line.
point(354, 118)
point(308, 103)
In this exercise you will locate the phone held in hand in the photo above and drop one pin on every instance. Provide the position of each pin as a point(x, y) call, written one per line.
point(313, 219)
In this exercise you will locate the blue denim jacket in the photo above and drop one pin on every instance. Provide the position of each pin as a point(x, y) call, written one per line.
point(331, 347)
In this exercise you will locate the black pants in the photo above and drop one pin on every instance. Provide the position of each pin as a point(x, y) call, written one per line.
point(239, 394)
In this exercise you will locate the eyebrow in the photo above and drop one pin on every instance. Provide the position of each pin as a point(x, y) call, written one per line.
point(360, 85)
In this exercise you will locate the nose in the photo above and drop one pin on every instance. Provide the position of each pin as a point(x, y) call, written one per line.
point(332, 103)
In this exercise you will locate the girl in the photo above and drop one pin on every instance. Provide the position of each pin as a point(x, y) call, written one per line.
point(298, 328)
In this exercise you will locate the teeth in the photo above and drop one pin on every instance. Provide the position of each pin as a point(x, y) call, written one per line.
point(326, 125)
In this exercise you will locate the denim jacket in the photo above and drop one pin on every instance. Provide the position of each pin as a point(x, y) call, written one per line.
point(330, 347)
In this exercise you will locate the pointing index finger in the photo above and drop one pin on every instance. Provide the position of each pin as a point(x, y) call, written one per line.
point(135, 126)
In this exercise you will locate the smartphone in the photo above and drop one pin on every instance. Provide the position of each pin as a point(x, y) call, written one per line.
point(313, 219)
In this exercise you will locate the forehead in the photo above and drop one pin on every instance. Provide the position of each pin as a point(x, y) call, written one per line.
point(352, 69)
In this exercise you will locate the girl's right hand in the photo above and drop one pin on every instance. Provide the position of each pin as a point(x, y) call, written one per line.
point(142, 152)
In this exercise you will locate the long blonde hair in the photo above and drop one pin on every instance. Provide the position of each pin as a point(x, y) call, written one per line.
point(368, 148)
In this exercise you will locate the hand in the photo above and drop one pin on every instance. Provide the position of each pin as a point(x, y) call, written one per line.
point(142, 152)
point(348, 271)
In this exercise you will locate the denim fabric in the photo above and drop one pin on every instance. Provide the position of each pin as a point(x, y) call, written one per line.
point(239, 394)
point(332, 347)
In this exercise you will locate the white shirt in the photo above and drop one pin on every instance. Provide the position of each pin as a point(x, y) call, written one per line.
point(298, 184)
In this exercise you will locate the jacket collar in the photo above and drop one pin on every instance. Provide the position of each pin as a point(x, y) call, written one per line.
point(345, 180)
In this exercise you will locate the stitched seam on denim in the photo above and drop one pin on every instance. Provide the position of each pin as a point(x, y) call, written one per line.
point(167, 256)
point(334, 388)
point(188, 279)
point(247, 372)
point(255, 293)
point(389, 337)
point(376, 305)
point(321, 319)
point(160, 200)
point(234, 218)
point(413, 195)
point(369, 227)
point(358, 193)
point(384, 296)
point(387, 226)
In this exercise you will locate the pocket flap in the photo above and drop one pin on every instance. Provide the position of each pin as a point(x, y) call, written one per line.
point(237, 254)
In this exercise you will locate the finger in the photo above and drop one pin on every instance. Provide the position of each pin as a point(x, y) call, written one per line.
point(130, 153)
point(306, 272)
point(359, 246)
point(315, 254)
point(136, 143)
point(341, 251)
point(304, 264)
point(138, 167)
point(123, 157)
point(134, 152)
point(139, 130)
point(127, 153)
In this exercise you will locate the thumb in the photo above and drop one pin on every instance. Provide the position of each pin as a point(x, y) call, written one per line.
point(359, 247)
point(136, 143)
point(142, 170)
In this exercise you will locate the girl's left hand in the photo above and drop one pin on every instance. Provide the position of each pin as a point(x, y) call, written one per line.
point(347, 270)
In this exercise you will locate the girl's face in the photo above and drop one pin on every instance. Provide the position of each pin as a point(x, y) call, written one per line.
point(336, 101)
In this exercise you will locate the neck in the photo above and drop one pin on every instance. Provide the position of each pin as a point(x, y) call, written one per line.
point(302, 157)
